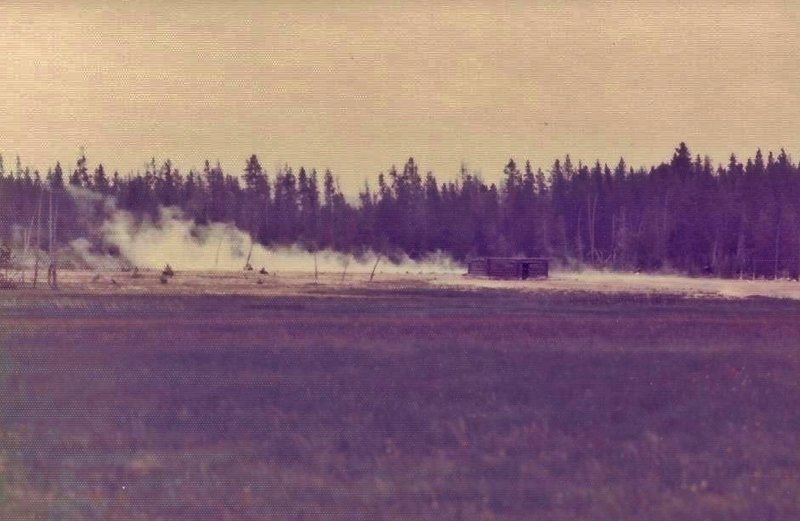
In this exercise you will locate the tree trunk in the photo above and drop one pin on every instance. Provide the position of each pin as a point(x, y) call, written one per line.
point(50, 226)
point(249, 254)
point(38, 239)
point(562, 233)
point(52, 274)
point(372, 275)
point(219, 247)
point(777, 248)
point(592, 215)
point(715, 252)
point(740, 252)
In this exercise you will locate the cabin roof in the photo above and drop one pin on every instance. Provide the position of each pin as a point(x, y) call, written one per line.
point(516, 259)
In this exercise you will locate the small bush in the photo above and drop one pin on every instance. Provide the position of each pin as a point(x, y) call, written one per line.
point(7, 283)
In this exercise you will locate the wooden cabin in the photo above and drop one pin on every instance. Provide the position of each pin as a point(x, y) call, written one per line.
point(509, 268)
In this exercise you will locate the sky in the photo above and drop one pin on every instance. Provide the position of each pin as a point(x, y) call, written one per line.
point(359, 86)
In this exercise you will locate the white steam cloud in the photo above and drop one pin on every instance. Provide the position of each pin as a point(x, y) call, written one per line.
point(178, 241)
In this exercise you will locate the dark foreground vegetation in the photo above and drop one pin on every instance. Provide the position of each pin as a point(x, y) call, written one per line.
point(413, 404)
point(686, 215)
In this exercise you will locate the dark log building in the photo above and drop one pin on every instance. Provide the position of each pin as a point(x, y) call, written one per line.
point(509, 267)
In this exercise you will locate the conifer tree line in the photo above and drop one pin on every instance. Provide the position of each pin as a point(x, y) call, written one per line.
point(685, 215)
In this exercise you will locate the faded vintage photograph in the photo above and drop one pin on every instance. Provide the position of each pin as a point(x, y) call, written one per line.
point(399, 260)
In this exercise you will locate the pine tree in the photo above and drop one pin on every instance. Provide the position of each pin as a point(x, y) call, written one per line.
point(100, 181)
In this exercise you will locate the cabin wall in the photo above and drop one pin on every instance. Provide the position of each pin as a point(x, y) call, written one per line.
point(508, 268)
point(477, 267)
point(504, 268)
point(539, 269)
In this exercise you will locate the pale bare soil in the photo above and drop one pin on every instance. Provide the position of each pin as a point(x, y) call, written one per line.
point(303, 282)
point(610, 282)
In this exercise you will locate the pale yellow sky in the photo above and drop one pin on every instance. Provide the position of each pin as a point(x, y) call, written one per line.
point(358, 86)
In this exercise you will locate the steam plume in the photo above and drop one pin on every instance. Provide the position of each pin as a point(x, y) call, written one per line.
point(176, 240)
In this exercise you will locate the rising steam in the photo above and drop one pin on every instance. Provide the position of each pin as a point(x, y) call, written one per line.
point(178, 241)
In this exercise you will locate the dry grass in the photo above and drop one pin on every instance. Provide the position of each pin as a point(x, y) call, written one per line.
point(397, 401)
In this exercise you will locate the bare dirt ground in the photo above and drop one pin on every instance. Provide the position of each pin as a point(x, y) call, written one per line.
point(611, 282)
point(303, 282)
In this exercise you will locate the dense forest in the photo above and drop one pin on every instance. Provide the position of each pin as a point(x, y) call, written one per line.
point(688, 216)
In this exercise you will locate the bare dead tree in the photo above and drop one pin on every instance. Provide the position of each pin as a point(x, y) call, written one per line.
point(372, 275)
point(247, 265)
point(52, 270)
point(38, 238)
point(50, 225)
point(26, 244)
point(777, 247)
point(219, 247)
point(55, 241)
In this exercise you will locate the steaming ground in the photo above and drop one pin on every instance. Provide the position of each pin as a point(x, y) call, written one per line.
point(300, 281)
point(422, 394)
point(210, 260)
point(175, 240)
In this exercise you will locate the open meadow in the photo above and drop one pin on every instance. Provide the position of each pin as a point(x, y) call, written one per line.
point(214, 397)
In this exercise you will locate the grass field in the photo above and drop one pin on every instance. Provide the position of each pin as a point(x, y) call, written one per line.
point(384, 403)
